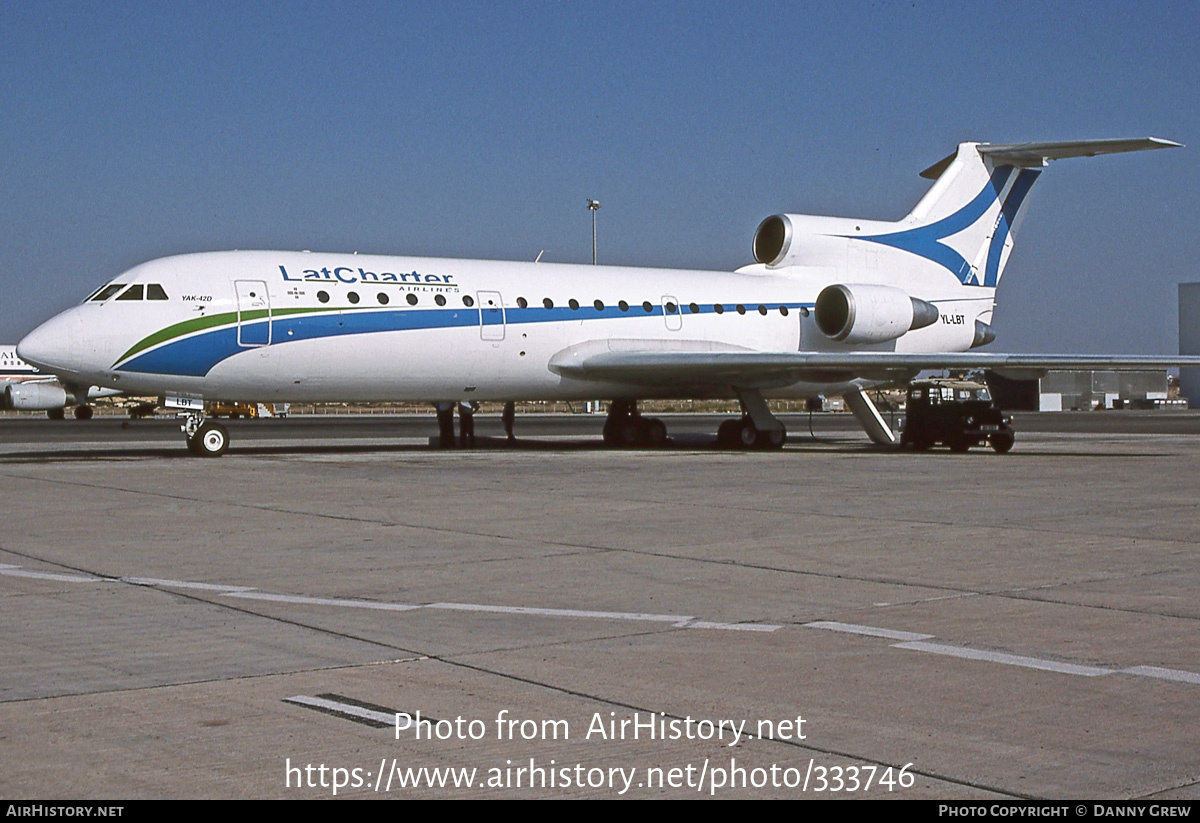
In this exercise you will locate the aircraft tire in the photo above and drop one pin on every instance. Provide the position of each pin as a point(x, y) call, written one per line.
point(56, 414)
point(629, 432)
point(727, 434)
point(210, 440)
point(83, 412)
point(772, 440)
point(748, 435)
point(655, 433)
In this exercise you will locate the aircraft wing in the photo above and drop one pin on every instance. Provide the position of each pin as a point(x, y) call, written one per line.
point(749, 369)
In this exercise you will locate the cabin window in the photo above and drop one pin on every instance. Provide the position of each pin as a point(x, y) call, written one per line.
point(155, 292)
point(411, 298)
point(468, 301)
point(783, 310)
point(762, 310)
point(671, 308)
point(323, 296)
point(646, 305)
point(599, 304)
point(693, 308)
point(741, 309)
point(440, 299)
point(548, 303)
point(719, 309)
point(573, 303)
point(383, 298)
point(352, 297)
point(623, 306)
point(134, 292)
point(522, 302)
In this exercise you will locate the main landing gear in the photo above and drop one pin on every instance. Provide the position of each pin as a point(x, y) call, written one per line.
point(757, 428)
point(741, 433)
point(204, 437)
point(82, 412)
point(625, 427)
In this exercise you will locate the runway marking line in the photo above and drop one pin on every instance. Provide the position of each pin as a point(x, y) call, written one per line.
point(17, 571)
point(321, 601)
point(911, 641)
point(368, 714)
point(251, 593)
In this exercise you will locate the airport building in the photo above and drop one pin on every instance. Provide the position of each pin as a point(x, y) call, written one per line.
point(1189, 340)
point(1082, 390)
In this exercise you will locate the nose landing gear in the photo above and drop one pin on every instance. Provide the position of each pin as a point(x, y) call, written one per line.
point(204, 437)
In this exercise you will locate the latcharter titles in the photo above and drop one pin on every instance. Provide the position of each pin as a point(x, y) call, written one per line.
point(346, 274)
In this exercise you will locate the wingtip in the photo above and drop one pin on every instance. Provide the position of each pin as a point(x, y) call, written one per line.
point(1163, 143)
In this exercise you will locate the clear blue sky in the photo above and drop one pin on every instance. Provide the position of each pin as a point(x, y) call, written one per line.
point(135, 130)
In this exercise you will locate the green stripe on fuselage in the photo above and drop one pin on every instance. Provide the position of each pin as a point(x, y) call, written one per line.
point(210, 322)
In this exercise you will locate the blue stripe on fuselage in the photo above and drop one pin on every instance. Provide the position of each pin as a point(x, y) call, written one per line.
point(195, 356)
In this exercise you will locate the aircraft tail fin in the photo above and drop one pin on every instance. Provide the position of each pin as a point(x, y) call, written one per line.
point(967, 221)
point(964, 225)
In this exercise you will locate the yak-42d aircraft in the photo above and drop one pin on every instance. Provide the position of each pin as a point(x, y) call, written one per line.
point(833, 306)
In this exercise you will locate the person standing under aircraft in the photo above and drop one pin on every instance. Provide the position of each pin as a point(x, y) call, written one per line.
point(508, 417)
point(445, 417)
point(466, 424)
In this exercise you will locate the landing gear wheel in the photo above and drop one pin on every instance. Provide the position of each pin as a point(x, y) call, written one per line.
point(210, 440)
point(747, 434)
point(727, 434)
point(1003, 442)
point(630, 432)
point(611, 433)
point(56, 414)
point(83, 412)
point(655, 433)
point(772, 440)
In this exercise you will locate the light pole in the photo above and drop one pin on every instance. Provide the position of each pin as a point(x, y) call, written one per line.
point(593, 207)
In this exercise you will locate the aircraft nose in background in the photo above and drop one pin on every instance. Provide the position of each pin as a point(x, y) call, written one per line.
point(56, 345)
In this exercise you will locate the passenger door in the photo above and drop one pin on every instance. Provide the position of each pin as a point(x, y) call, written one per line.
point(254, 313)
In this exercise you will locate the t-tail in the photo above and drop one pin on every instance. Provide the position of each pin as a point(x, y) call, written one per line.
point(963, 228)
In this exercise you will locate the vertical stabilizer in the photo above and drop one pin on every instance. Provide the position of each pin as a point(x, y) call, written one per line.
point(966, 223)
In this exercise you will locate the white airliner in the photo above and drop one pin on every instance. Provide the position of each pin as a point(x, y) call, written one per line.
point(24, 388)
point(833, 306)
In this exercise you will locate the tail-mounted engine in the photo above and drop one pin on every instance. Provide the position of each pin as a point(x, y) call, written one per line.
point(869, 313)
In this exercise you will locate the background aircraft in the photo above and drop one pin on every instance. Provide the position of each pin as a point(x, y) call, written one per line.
point(24, 388)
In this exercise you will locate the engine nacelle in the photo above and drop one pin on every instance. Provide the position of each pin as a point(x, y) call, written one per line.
point(784, 240)
point(35, 396)
point(870, 313)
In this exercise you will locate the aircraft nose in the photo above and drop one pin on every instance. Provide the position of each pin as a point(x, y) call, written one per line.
point(56, 345)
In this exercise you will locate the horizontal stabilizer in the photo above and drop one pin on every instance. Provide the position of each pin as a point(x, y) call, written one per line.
point(1038, 154)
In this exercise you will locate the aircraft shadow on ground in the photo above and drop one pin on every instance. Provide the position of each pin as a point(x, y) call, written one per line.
point(797, 444)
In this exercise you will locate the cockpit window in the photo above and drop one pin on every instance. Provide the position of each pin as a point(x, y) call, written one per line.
point(93, 294)
point(134, 292)
point(108, 291)
point(155, 292)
